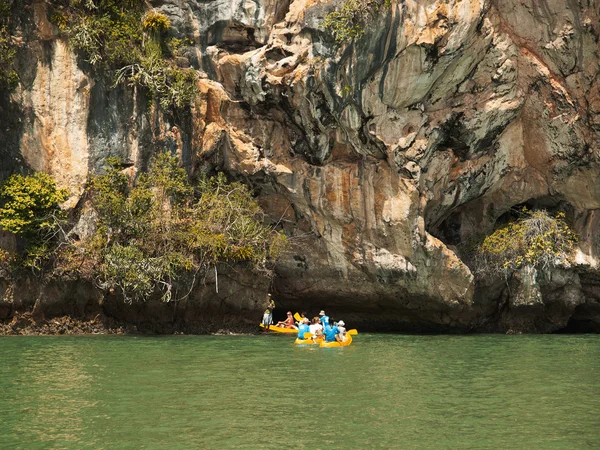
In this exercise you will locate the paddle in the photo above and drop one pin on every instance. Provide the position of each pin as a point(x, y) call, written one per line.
point(297, 317)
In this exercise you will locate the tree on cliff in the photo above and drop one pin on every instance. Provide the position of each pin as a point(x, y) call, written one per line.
point(162, 234)
point(157, 236)
point(350, 21)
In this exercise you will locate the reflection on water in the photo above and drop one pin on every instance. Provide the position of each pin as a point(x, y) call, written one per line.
point(384, 391)
point(49, 386)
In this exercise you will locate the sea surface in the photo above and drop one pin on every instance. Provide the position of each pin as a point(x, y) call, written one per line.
point(262, 392)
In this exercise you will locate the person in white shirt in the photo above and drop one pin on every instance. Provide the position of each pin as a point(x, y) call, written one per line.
point(342, 334)
point(315, 327)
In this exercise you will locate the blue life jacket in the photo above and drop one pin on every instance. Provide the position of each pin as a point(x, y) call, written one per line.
point(324, 321)
point(330, 333)
point(302, 328)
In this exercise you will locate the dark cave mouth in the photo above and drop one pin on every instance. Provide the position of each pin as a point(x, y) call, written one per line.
point(451, 230)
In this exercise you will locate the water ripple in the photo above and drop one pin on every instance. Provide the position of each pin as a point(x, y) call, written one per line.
point(384, 391)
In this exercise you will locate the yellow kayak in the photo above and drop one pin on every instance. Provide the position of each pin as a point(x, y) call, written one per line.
point(299, 341)
point(275, 329)
point(347, 342)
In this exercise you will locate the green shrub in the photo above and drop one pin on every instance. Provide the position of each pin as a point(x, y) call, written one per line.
point(155, 22)
point(108, 32)
point(159, 232)
point(350, 21)
point(159, 235)
point(30, 204)
point(172, 87)
point(535, 239)
point(117, 36)
point(31, 209)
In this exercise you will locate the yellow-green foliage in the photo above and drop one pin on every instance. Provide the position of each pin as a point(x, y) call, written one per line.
point(155, 22)
point(160, 231)
point(149, 234)
point(30, 209)
point(30, 204)
point(118, 35)
point(350, 21)
point(535, 239)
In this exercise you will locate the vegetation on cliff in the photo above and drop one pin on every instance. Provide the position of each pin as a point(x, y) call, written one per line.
point(534, 239)
point(350, 22)
point(157, 236)
point(31, 210)
point(131, 41)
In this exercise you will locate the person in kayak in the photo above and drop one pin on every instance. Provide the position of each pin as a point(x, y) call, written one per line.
point(268, 315)
point(341, 337)
point(287, 323)
point(331, 333)
point(324, 319)
point(303, 328)
point(315, 327)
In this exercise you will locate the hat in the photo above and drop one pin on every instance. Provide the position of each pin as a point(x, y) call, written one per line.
point(269, 295)
point(322, 313)
point(341, 323)
point(305, 320)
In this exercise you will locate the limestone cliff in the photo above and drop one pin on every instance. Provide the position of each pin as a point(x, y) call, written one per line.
point(379, 157)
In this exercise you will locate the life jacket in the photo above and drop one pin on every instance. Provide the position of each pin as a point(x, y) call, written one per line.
point(330, 333)
point(303, 328)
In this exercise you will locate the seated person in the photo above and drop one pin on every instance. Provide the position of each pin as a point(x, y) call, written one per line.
point(341, 337)
point(331, 333)
point(287, 323)
point(303, 328)
point(315, 327)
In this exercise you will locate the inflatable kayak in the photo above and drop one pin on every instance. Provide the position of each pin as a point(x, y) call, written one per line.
point(275, 329)
point(299, 341)
point(347, 342)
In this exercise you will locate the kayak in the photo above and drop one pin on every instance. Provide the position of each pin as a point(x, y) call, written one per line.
point(347, 342)
point(275, 329)
point(299, 341)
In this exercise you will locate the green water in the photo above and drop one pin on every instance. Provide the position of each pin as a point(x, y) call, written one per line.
point(384, 391)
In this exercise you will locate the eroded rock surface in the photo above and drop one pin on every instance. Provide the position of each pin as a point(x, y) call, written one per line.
point(378, 157)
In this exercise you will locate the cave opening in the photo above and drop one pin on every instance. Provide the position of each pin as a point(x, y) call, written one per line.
point(552, 204)
point(472, 221)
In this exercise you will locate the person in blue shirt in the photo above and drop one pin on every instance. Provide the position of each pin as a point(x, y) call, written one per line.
point(303, 328)
point(331, 332)
point(324, 319)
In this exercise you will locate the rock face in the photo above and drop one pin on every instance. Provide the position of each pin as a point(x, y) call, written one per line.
point(378, 157)
point(236, 306)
